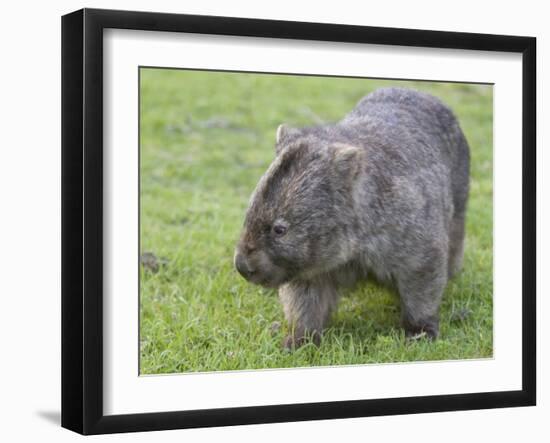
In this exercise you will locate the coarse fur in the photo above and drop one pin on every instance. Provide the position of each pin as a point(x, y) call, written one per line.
point(382, 192)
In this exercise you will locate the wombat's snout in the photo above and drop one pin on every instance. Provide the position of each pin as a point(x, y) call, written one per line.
point(243, 266)
point(255, 265)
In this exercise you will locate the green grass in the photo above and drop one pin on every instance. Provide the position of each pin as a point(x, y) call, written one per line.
point(206, 138)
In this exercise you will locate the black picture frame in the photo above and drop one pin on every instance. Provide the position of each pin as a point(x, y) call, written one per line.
point(82, 218)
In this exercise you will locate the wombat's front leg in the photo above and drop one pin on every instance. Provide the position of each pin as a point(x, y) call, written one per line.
point(307, 307)
point(421, 291)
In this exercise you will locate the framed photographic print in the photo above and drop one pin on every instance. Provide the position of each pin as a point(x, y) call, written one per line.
point(269, 221)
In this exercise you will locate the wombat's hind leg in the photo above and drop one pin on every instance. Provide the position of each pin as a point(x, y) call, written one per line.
point(307, 308)
point(420, 293)
point(456, 244)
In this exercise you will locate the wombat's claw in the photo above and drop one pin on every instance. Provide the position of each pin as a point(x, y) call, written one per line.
point(427, 333)
point(417, 336)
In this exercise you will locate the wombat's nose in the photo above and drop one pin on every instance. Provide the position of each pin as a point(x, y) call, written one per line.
point(242, 266)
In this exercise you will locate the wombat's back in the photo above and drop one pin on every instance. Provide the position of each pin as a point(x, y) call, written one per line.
point(422, 125)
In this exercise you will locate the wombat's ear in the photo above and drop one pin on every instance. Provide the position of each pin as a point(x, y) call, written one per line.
point(284, 134)
point(347, 159)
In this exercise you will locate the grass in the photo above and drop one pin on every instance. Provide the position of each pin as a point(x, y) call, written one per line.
point(206, 138)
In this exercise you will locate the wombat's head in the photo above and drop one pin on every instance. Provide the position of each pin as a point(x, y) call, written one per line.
point(300, 214)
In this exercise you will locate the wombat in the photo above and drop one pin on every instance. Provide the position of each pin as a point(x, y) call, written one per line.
point(381, 192)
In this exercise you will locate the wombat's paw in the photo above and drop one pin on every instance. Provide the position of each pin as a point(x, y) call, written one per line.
point(292, 342)
point(417, 336)
point(421, 333)
point(419, 329)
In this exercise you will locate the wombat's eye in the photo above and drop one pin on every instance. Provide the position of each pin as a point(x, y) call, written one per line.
point(279, 229)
